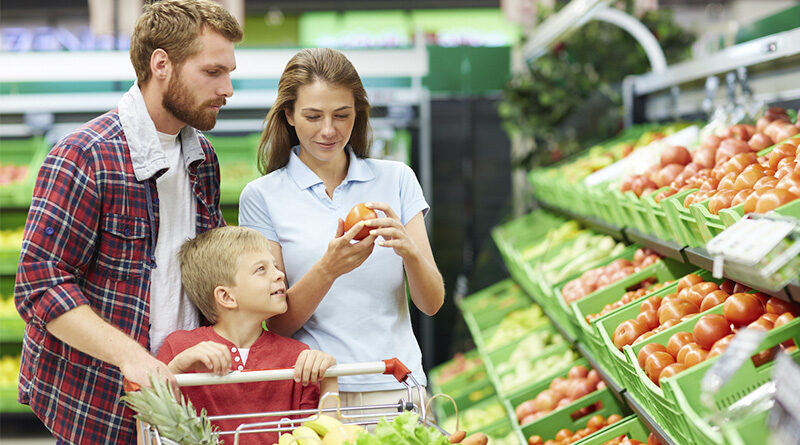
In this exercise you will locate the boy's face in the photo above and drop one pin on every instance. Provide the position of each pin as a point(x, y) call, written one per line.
point(260, 287)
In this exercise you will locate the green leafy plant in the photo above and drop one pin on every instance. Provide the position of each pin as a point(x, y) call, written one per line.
point(570, 97)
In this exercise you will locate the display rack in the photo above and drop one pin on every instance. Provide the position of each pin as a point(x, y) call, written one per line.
point(772, 62)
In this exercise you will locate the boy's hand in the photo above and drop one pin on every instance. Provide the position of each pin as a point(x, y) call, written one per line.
point(207, 356)
point(311, 366)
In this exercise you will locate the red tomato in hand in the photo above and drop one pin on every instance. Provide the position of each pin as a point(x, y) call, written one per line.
point(359, 212)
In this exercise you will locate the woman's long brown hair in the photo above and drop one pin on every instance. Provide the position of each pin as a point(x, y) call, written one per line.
point(305, 67)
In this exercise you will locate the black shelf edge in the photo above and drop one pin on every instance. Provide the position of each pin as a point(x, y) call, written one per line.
point(701, 258)
point(611, 384)
point(669, 249)
point(648, 421)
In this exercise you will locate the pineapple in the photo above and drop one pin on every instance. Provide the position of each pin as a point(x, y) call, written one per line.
point(174, 420)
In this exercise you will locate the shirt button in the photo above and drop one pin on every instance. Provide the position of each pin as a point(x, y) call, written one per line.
point(240, 367)
point(236, 358)
point(127, 231)
point(155, 201)
point(49, 231)
point(233, 349)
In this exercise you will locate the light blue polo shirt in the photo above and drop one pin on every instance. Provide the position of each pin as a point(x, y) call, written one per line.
point(365, 315)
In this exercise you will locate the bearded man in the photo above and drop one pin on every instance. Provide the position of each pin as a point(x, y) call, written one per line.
point(98, 282)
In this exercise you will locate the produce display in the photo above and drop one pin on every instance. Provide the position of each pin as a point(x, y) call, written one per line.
point(9, 371)
point(527, 371)
point(516, 325)
point(580, 252)
point(578, 382)
point(627, 297)
point(600, 277)
point(470, 369)
point(566, 436)
point(529, 348)
point(7, 308)
point(714, 331)
point(476, 417)
point(11, 174)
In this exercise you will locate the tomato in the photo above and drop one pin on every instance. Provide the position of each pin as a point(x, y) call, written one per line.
point(578, 371)
point(741, 288)
point(778, 306)
point(765, 356)
point(784, 318)
point(596, 422)
point(614, 418)
point(525, 409)
point(742, 309)
point(676, 309)
point(627, 332)
point(563, 434)
point(656, 363)
point(671, 370)
point(727, 286)
point(645, 336)
point(713, 299)
point(752, 200)
point(790, 182)
point(652, 440)
point(688, 281)
point(720, 346)
point(648, 319)
point(766, 181)
point(360, 212)
point(677, 341)
point(535, 440)
point(681, 358)
point(774, 198)
point(761, 324)
point(741, 196)
point(748, 177)
point(727, 181)
point(647, 350)
point(710, 328)
point(695, 356)
point(651, 304)
point(778, 153)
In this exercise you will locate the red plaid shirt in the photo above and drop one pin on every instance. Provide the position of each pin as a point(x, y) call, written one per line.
point(90, 239)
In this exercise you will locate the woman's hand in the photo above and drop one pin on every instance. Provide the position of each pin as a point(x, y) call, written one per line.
point(343, 255)
point(392, 230)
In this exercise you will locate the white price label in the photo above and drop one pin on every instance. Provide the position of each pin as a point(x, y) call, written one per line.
point(749, 240)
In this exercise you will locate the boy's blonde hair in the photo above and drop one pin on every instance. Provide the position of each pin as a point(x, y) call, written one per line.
point(211, 259)
point(174, 25)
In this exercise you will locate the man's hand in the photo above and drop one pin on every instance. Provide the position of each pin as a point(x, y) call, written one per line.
point(311, 366)
point(207, 356)
point(138, 368)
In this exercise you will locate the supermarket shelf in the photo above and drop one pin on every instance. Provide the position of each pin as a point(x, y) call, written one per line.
point(701, 258)
point(649, 422)
point(12, 329)
point(669, 249)
point(696, 256)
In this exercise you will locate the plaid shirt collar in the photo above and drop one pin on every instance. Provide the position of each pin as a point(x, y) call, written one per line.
point(147, 156)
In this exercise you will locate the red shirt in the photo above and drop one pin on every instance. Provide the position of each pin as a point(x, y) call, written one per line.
point(268, 352)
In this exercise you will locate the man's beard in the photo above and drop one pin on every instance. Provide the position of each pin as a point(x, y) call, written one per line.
point(178, 101)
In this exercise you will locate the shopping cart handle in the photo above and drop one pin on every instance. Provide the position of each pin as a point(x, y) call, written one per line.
point(392, 366)
point(396, 368)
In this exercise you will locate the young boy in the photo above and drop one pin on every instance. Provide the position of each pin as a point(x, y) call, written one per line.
point(230, 275)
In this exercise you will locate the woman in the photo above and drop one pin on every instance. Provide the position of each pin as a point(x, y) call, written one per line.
point(345, 298)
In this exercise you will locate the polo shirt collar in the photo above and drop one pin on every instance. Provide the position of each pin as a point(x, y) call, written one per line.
point(358, 170)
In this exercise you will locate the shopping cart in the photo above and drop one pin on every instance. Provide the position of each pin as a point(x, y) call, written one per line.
point(357, 415)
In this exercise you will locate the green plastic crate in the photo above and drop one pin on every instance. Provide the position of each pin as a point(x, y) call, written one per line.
point(656, 215)
point(750, 430)
point(684, 388)
point(612, 358)
point(562, 350)
point(457, 383)
point(664, 270)
point(636, 212)
point(682, 220)
point(548, 425)
point(468, 396)
point(482, 424)
point(630, 426)
point(564, 311)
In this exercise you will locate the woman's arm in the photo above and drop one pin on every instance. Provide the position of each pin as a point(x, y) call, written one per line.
point(304, 296)
point(411, 243)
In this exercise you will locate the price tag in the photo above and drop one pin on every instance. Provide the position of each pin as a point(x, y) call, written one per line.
point(750, 239)
point(784, 418)
point(739, 350)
